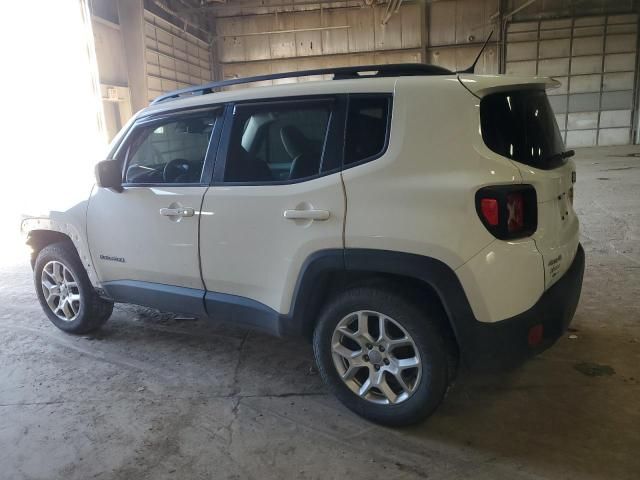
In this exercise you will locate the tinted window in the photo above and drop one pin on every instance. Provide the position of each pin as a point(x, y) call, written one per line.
point(277, 142)
point(366, 134)
point(521, 126)
point(172, 151)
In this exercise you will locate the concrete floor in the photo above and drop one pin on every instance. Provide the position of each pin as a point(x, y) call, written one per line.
point(152, 396)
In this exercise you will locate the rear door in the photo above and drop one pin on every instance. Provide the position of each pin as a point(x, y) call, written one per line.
point(519, 124)
point(276, 198)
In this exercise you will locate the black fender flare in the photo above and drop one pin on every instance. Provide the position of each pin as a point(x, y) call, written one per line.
point(435, 273)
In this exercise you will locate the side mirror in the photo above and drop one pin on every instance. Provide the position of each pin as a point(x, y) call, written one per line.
point(109, 175)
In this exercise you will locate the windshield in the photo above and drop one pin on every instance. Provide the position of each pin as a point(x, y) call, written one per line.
point(520, 125)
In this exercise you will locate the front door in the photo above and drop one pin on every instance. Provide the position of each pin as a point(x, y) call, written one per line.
point(144, 240)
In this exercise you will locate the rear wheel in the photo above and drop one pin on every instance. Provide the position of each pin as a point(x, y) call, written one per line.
point(65, 292)
point(382, 356)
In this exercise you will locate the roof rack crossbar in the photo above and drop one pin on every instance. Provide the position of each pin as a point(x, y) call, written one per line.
point(339, 73)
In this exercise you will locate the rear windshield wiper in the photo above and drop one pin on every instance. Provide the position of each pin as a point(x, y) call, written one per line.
point(556, 157)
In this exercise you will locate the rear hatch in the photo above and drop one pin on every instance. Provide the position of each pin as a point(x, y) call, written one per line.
point(518, 123)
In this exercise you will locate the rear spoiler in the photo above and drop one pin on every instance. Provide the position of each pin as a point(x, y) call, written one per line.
point(481, 85)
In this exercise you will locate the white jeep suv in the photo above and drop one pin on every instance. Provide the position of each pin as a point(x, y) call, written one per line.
point(405, 221)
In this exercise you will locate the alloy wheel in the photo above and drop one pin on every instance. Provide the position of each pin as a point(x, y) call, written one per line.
point(376, 357)
point(60, 290)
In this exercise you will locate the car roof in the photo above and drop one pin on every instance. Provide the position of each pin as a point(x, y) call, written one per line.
point(476, 84)
point(282, 90)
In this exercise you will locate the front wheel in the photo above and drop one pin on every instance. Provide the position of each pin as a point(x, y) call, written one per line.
point(382, 355)
point(65, 291)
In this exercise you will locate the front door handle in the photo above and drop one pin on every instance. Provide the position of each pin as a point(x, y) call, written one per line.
point(177, 212)
point(311, 214)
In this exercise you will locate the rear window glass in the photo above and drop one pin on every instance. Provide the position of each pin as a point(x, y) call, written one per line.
point(367, 121)
point(520, 125)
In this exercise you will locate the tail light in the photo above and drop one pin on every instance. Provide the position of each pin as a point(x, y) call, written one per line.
point(508, 211)
point(515, 212)
point(489, 208)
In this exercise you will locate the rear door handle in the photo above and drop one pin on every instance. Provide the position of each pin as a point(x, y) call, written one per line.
point(307, 214)
point(177, 212)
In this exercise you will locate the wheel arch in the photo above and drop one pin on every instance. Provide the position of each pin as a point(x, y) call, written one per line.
point(426, 280)
point(40, 232)
point(39, 239)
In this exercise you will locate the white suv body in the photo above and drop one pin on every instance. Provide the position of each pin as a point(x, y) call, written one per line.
point(399, 184)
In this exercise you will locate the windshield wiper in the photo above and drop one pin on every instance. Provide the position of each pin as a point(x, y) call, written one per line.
point(559, 156)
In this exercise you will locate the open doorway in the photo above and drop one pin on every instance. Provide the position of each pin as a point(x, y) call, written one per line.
point(53, 124)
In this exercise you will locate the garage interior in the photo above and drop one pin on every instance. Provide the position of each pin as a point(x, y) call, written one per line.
point(160, 395)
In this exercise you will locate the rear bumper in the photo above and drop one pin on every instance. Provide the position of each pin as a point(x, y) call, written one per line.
point(507, 343)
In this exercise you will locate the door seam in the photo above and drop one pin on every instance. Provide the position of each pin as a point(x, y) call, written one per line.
point(204, 286)
point(344, 219)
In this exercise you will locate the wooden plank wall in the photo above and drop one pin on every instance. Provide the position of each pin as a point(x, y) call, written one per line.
point(447, 33)
point(458, 28)
point(366, 41)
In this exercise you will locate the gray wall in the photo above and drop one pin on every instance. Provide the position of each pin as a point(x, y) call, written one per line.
point(174, 58)
point(545, 9)
point(458, 28)
point(141, 54)
point(247, 37)
point(248, 45)
point(594, 59)
point(447, 33)
point(113, 72)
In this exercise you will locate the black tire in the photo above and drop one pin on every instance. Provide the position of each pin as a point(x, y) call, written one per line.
point(423, 327)
point(93, 310)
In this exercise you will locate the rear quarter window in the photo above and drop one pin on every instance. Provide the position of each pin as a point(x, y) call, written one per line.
point(520, 125)
point(367, 128)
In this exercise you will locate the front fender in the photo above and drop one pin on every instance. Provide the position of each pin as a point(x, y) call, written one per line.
point(69, 224)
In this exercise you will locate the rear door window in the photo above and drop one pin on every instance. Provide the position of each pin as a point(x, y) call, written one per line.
point(520, 125)
point(277, 142)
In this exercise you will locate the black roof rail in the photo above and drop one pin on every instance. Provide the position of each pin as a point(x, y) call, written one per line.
point(339, 73)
